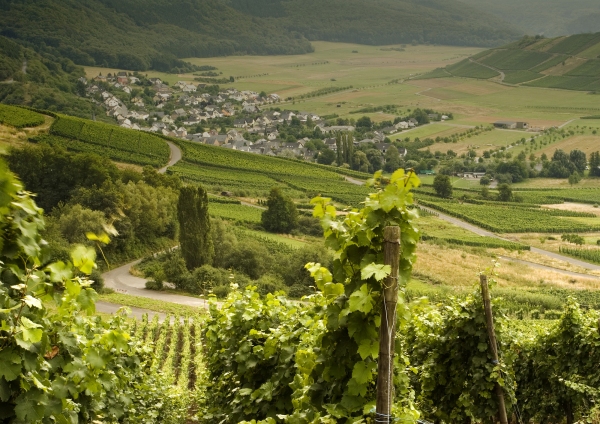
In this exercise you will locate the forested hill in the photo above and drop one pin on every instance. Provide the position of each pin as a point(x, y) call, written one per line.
point(42, 81)
point(144, 34)
point(448, 22)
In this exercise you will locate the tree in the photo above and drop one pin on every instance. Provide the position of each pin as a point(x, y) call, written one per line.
point(442, 185)
point(392, 159)
point(485, 181)
point(364, 122)
point(578, 159)
point(574, 178)
point(360, 162)
point(195, 239)
point(281, 215)
point(504, 193)
point(326, 157)
point(595, 164)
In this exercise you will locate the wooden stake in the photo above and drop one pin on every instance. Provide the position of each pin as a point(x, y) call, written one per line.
point(387, 329)
point(487, 305)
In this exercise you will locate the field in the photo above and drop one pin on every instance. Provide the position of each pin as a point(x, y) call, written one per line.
point(517, 77)
point(19, 118)
point(515, 59)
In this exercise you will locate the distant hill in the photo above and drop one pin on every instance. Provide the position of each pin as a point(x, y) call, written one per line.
point(447, 22)
point(570, 63)
point(548, 17)
point(154, 34)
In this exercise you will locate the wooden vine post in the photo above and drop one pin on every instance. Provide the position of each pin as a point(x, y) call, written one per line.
point(489, 319)
point(387, 329)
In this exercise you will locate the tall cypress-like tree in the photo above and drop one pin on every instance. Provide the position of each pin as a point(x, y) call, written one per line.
point(595, 164)
point(338, 144)
point(281, 215)
point(195, 240)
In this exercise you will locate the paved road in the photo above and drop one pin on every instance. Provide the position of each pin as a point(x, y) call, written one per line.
point(174, 157)
point(122, 281)
point(548, 268)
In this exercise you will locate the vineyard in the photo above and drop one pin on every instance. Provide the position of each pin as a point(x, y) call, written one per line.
point(515, 59)
point(122, 144)
point(591, 68)
point(177, 352)
point(110, 152)
point(232, 159)
point(240, 213)
point(19, 118)
point(517, 77)
point(587, 254)
point(575, 44)
point(469, 69)
point(507, 219)
point(479, 241)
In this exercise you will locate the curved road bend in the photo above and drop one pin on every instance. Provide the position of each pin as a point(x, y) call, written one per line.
point(174, 157)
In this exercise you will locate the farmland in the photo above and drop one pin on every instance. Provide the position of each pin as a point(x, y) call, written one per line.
point(19, 117)
point(125, 145)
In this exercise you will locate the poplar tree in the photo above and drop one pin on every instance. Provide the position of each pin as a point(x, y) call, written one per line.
point(340, 152)
point(195, 240)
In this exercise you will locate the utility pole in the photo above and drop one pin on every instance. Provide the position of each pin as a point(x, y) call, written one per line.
point(489, 319)
point(387, 328)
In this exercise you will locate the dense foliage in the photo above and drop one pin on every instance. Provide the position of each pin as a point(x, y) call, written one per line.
point(59, 362)
point(332, 343)
point(42, 81)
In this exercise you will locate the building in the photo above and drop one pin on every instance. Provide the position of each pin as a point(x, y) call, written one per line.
point(510, 125)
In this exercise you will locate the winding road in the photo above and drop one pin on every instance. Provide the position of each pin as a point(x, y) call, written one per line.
point(174, 157)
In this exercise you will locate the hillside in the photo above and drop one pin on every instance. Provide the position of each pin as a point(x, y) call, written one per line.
point(548, 17)
point(42, 81)
point(570, 63)
point(383, 21)
point(136, 35)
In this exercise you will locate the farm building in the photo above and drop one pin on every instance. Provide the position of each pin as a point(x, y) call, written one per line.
point(508, 125)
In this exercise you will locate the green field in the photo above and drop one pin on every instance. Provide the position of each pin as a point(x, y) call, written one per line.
point(517, 77)
point(515, 59)
point(469, 69)
point(19, 118)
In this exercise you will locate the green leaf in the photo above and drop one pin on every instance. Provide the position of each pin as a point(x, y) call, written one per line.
point(84, 258)
point(368, 348)
point(59, 271)
point(32, 302)
point(361, 300)
point(362, 372)
point(379, 271)
point(94, 358)
point(102, 238)
point(11, 364)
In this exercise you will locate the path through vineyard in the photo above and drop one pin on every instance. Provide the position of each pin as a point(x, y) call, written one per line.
point(174, 157)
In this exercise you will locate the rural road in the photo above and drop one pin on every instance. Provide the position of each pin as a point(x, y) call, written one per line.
point(175, 157)
point(552, 255)
point(120, 280)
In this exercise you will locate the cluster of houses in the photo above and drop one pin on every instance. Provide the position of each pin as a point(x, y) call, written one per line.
point(195, 109)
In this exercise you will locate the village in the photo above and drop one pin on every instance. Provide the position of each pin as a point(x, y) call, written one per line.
point(241, 120)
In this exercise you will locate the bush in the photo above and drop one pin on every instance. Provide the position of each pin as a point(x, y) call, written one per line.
point(154, 285)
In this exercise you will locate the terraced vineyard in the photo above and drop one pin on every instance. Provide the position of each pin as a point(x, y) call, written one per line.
point(537, 63)
point(118, 143)
point(19, 118)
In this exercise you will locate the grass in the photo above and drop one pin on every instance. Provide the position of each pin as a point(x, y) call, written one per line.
point(150, 304)
point(280, 238)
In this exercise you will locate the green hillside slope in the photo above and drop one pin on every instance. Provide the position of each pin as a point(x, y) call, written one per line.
point(570, 63)
point(548, 17)
point(152, 34)
point(42, 81)
point(383, 21)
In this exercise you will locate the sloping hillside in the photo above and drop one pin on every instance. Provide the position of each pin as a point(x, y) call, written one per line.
point(152, 34)
point(570, 63)
point(42, 81)
point(384, 21)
